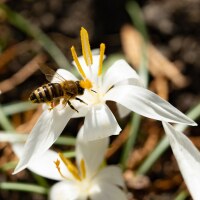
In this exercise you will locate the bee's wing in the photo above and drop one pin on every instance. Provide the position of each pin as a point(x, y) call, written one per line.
point(50, 74)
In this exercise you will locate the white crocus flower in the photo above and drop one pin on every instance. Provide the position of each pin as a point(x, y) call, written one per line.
point(188, 158)
point(87, 179)
point(120, 84)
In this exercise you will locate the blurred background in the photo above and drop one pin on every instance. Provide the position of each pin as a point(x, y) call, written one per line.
point(161, 35)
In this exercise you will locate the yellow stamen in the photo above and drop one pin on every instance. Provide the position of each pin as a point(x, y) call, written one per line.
point(83, 169)
point(72, 168)
point(57, 163)
point(86, 84)
point(102, 51)
point(75, 57)
point(87, 54)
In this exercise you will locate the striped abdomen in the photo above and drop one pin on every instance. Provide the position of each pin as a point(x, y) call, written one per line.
point(46, 93)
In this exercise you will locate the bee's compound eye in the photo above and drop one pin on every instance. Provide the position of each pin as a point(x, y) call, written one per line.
point(80, 89)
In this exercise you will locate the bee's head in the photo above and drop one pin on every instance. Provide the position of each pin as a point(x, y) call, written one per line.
point(80, 89)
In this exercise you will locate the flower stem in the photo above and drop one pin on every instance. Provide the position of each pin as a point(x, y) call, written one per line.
point(8, 166)
point(23, 187)
point(17, 107)
point(17, 137)
point(135, 124)
point(63, 140)
point(69, 154)
point(4, 121)
point(194, 113)
point(135, 13)
point(40, 180)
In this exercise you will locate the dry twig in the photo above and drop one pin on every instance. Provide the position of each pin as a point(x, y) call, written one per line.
point(118, 142)
point(139, 154)
point(159, 66)
point(16, 50)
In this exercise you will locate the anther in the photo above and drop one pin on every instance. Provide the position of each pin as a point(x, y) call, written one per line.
point(87, 54)
point(102, 51)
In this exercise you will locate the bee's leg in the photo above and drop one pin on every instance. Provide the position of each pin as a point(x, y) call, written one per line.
point(66, 101)
point(71, 106)
point(81, 100)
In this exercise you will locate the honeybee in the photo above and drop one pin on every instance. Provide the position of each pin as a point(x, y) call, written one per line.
point(52, 93)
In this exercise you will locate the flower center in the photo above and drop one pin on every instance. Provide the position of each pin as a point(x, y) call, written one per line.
point(96, 97)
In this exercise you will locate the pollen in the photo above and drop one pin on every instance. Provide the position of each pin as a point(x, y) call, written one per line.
point(86, 84)
point(75, 57)
point(87, 53)
point(102, 51)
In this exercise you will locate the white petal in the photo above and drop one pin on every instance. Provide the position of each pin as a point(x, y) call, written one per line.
point(43, 165)
point(119, 71)
point(99, 123)
point(123, 111)
point(65, 190)
point(106, 191)
point(46, 131)
point(92, 71)
point(112, 175)
point(188, 159)
point(18, 149)
point(64, 74)
point(92, 152)
point(147, 103)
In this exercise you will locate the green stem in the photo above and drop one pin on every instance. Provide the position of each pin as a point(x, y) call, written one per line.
point(25, 187)
point(69, 154)
point(24, 25)
point(21, 138)
point(194, 113)
point(18, 107)
point(63, 140)
point(182, 195)
point(8, 166)
point(40, 180)
point(135, 125)
point(135, 13)
point(4, 121)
